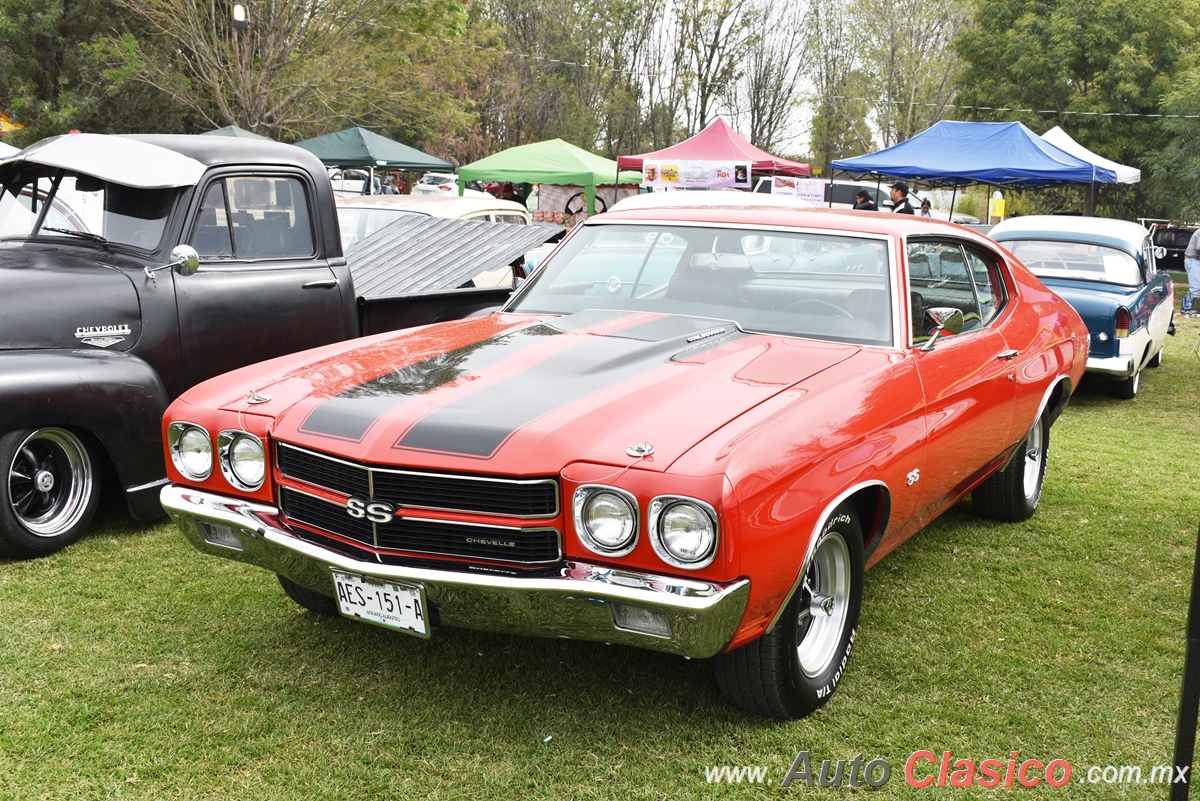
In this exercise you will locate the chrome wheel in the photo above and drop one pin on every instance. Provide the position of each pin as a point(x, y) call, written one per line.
point(824, 605)
point(1035, 454)
point(50, 482)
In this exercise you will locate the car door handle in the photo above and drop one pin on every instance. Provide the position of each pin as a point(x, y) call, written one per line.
point(325, 284)
point(1008, 355)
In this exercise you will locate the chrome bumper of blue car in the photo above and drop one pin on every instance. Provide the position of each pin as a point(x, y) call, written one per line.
point(580, 601)
point(1116, 366)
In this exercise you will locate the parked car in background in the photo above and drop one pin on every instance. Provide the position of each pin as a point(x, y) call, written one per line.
point(690, 431)
point(1173, 239)
point(841, 194)
point(359, 217)
point(441, 183)
point(350, 182)
point(1106, 269)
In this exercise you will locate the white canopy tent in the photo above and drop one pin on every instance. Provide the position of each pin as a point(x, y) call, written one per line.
point(1063, 141)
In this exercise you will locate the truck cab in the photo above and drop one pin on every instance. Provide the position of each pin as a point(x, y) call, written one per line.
point(105, 318)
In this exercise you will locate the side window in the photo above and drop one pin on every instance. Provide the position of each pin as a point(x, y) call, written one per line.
point(1148, 258)
point(211, 235)
point(254, 217)
point(989, 287)
point(938, 277)
point(513, 219)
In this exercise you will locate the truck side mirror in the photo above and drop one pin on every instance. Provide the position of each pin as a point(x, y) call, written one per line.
point(184, 259)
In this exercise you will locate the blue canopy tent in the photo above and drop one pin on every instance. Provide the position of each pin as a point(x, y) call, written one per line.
point(961, 153)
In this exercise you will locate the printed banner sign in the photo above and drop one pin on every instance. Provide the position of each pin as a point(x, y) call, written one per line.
point(810, 189)
point(678, 174)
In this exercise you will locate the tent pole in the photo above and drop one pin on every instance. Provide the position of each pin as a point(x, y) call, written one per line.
point(953, 195)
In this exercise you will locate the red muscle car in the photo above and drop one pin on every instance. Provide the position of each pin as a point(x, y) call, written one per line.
point(691, 431)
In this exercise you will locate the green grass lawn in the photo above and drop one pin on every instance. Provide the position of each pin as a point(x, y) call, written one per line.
point(132, 667)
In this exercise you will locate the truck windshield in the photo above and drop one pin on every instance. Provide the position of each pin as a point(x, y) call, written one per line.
point(67, 205)
point(833, 286)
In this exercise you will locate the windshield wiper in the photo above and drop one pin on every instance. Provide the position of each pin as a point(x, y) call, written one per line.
point(81, 234)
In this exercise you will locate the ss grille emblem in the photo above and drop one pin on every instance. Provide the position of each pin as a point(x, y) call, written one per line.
point(375, 511)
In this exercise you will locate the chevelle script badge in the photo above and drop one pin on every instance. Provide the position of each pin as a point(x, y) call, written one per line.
point(102, 336)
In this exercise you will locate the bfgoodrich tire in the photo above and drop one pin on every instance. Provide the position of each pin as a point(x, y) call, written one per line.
point(792, 671)
point(1012, 495)
point(310, 599)
point(50, 491)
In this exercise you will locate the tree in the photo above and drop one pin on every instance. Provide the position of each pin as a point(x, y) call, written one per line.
point(839, 126)
point(52, 76)
point(910, 62)
point(1091, 66)
point(767, 95)
point(298, 66)
point(715, 35)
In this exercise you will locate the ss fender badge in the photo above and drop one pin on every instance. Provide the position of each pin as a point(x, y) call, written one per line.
point(375, 511)
point(914, 477)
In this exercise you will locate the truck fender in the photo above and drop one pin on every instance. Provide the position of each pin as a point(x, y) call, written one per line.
point(117, 398)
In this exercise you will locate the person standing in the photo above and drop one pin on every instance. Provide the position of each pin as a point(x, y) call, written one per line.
point(863, 202)
point(900, 198)
point(1191, 263)
point(926, 209)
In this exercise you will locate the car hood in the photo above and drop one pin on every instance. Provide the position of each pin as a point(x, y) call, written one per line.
point(506, 394)
point(62, 299)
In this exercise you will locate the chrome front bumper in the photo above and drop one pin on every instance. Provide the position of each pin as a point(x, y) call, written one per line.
point(1116, 366)
point(576, 603)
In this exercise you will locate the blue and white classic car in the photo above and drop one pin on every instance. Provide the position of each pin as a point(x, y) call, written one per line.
point(1106, 270)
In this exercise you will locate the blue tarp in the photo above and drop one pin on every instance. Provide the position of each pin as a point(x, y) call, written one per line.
point(958, 153)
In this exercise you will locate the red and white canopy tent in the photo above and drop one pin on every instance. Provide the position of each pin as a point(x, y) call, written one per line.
point(717, 156)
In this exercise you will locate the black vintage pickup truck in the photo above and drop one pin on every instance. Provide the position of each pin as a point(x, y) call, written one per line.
point(131, 268)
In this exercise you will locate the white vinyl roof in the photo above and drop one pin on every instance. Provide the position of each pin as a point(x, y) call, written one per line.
point(115, 159)
point(1063, 141)
point(6, 150)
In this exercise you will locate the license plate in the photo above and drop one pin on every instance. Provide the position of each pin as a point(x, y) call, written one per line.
point(384, 603)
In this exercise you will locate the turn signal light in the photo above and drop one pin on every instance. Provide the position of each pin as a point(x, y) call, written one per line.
point(1122, 323)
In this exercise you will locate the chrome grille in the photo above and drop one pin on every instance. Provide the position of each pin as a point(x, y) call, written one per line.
point(523, 498)
point(513, 544)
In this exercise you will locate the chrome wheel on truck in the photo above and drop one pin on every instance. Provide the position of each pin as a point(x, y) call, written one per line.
point(51, 490)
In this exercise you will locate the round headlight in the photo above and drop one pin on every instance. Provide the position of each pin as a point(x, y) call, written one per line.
point(686, 533)
point(606, 520)
point(193, 452)
point(248, 461)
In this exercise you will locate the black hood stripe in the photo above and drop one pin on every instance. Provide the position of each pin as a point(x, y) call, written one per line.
point(350, 414)
point(588, 365)
point(478, 424)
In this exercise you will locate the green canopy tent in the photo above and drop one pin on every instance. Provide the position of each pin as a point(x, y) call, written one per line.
point(233, 130)
point(551, 162)
point(358, 147)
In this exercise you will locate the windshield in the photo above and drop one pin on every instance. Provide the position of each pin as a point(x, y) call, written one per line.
point(822, 286)
point(1076, 260)
point(82, 207)
point(357, 224)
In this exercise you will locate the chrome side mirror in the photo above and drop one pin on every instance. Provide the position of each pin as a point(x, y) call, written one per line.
point(945, 320)
point(1160, 252)
point(184, 259)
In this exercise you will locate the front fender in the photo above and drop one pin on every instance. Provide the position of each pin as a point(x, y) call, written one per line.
point(116, 397)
